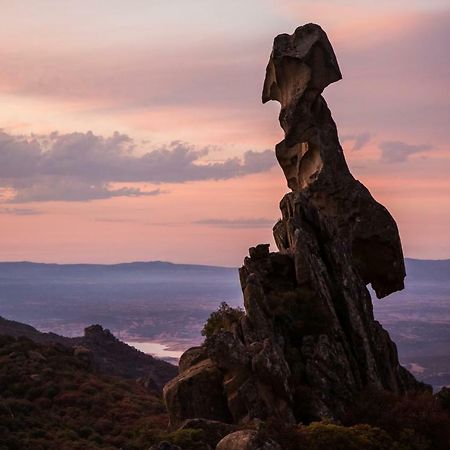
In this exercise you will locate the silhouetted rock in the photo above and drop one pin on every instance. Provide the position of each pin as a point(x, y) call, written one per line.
point(308, 341)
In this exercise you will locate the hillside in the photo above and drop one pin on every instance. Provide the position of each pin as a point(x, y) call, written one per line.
point(51, 398)
point(107, 354)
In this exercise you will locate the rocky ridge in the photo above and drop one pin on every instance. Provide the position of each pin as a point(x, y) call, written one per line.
point(106, 353)
point(307, 342)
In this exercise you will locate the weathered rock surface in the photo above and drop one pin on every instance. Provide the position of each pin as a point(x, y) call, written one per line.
point(308, 341)
point(246, 440)
point(197, 393)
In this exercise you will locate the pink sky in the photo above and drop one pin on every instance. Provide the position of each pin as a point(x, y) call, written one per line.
point(135, 131)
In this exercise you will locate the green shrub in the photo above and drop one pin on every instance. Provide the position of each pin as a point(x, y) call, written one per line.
point(326, 436)
point(222, 319)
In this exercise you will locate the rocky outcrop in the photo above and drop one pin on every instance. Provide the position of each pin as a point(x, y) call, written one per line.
point(114, 357)
point(104, 351)
point(308, 342)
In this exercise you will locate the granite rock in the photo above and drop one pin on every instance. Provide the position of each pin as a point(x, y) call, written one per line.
point(308, 342)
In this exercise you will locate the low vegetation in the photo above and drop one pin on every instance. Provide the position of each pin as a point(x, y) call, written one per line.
point(53, 399)
point(378, 421)
point(50, 398)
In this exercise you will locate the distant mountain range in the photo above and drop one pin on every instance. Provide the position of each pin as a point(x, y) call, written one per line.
point(169, 303)
point(427, 270)
point(423, 269)
point(21, 269)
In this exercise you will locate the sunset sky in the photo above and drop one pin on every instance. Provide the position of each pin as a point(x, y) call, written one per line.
point(134, 130)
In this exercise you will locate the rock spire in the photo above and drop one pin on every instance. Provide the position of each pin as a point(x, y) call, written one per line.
point(307, 342)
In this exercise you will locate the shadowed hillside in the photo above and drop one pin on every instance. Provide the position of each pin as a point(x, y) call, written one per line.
point(107, 354)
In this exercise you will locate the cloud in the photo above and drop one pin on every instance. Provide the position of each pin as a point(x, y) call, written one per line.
point(396, 151)
point(237, 223)
point(72, 190)
point(85, 166)
point(20, 211)
point(359, 140)
point(395, 83)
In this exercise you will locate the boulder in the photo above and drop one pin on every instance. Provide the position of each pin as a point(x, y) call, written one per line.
point(191, 357)
point(198, 392)
point(246, 440)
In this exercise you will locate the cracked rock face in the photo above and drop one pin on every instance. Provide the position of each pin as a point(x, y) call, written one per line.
point(307, 342)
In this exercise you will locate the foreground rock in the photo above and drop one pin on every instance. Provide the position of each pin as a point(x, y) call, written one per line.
point(246, 440)
point(307, 342)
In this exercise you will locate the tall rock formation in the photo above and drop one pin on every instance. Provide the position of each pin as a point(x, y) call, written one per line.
point(307, 342)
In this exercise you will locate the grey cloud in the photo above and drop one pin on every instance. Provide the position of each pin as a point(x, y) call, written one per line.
point(397, 151)
point(237, 223)
point(72, 190)
point(84, 166)
point(359, 140)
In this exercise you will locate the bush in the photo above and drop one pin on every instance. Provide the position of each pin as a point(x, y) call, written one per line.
point(325, 436)
point(222, 319)
point(186, 438)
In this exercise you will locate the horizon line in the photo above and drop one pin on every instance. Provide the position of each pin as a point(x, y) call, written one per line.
point(163, 262)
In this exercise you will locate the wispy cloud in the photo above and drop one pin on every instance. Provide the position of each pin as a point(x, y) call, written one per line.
point(397, 151)
point(237, 223)
point(85, 166)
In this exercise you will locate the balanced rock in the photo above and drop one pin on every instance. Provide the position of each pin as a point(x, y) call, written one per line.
point(308, 342)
